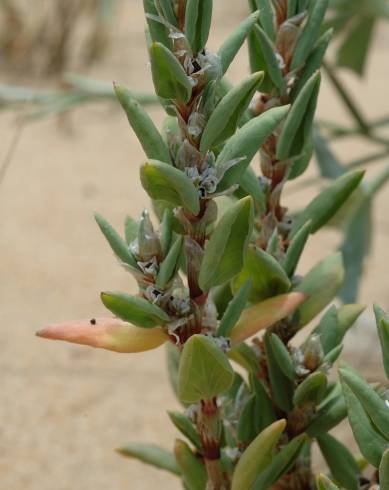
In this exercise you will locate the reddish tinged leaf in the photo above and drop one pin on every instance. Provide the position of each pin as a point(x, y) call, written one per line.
point(265, 314)
point(106, 333)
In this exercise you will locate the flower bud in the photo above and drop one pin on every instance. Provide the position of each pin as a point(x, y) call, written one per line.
point(106, 333)
point(313, 353)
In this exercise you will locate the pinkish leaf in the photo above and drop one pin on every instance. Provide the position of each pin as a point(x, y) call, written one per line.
point(265, 314)
point(106, 333)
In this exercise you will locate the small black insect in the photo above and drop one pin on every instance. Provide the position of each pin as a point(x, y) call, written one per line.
point(93, 321)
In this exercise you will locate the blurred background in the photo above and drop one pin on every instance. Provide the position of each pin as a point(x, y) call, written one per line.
point(63, 408)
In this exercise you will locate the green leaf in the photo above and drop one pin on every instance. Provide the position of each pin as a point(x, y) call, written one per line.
point(225, 118)
point(257, 61)
point(292, 6)
point(166, 7)
point(169, 77)
point(330, 414)
point(270, 58)
point(281, 463)
point(295, 249)
point(131, 228)
point(324, 483)
point(370, 441)
point(265, 414)
point(384, 471)
point(170, 264)
point(134, 309)
point(310, 33)
point(320, 285)
point(281, 386)
point(248, 139)
point(246, 425)
point(186, 427)
point(282, 357)
point(372, 403)
point(299, 165)
point(311, 390)
point(233, 43)
point(268, 277)
point(250, 184)
point(223, 256)
point(329, 165)
point(382, 321)
point(340, 461)
point(234, 309)
point(298, 123)
point(264, 314)
point(257, 456)
point(333, 355)
point(164, 182)
point(244, 356)
point(328, 202)
point(143, 126)
point(313, 62)
point(353, 52)
point(152, 455)
point(166, 231)
point(267, 18)
point(335, 323)
point(193, 471)
point(116, 242)
point(158, 31)
point(204, 372)
point(198, 15)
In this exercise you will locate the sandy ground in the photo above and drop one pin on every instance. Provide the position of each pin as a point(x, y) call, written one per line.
point(63, 408)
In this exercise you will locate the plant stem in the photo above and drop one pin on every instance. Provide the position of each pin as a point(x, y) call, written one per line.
point(209, 428)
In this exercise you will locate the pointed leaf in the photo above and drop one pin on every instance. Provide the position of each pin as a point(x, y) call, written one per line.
point(170, 264)
point(248, 139)
point(299, 120)
point(282, 357)
point(131, 228)
point(116, 242)
point(106, 333)
point(173, 363)
point(193, 471)
point(169, 77)
point(268, 277)
point(265, 314)
point(370, 441)
point(340, 461)
point(271, 60)
point(225, 118)
point(143, 126)
point(295, 249)
point(372, 403)
point(310, 33)
point(281, 463)
point(313, 62)
point(134, 309)
point(267, 18)
point(198, 15)
point(320, 285)
point(281, 386)
point(223, 257)
point(311, 390)
point(158, 32)
point(234, 309)
point(325, 205)
point(382, 321)
point(233, 43)
point(204, 372)
point(257, 456)
point(151, 455)
point(186, 427)
point(329, 415)
point(164, 182)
